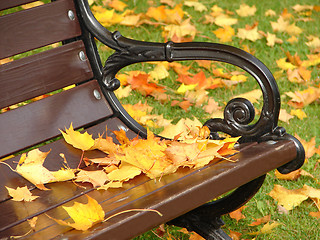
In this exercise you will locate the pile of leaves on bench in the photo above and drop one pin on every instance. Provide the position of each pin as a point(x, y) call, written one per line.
point(153, 157)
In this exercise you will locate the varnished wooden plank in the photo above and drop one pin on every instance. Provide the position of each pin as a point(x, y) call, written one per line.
point(16, 212)
point(172, 195)
point(36, 27)
point(41, 120)
point(13, 3)
point(41, 73)
point(53, 161)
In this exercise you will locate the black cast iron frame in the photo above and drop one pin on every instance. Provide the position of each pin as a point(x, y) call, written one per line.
point(238, 114)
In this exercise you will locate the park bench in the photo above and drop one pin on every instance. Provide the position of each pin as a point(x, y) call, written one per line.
point(183, 198)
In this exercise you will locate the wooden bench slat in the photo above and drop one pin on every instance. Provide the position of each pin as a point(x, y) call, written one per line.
point(57, 68)
point(186, 189)
point(42, 119)
point(37, 27)
point(13, 3)
point(54, 162)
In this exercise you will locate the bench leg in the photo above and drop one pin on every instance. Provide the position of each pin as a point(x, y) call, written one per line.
point(205, 220)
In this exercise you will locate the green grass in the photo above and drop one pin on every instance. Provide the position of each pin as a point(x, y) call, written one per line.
point(297, 224)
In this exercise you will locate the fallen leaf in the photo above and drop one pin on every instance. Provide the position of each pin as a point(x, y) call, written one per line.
point(117, 5)
point(82, 141)
point(96, 178)
point(250, 34)
point(284, 116)
point(237, 214)
point(298, 113)
point(21, 194)
point(253, 96)
point(314, 42)
point(260, 221)
point(84, 216)
point(294, 175)
point(197, 5)
point(246, 11)
point(31, 168)
point(112, 184)
point(300, 99)
point(289, 199)
point(224, 34)
point(224, 20)
point(270, 13)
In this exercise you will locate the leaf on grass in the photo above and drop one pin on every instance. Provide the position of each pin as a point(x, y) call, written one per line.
point(84, 216)
point(300, 99)
point(82, 141)
point(284, 116)
point(196, 5)
point(224, 20)
point(309, 147)
point(294, 175)
point(246, 11)
point(267, 228)
point(289, 199)
point(260, 221)
point(314, 42)
point(21, 194)
point(253, 96)
point(225, 34)
point(117, 5)
point(237, 214)
point(251, 34)
point(298, 113)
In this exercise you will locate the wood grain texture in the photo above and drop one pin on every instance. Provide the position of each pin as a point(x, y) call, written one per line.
point(13, 3)
point(41, 73)
point(41, 120)
point(164, 195)
point(37, 27)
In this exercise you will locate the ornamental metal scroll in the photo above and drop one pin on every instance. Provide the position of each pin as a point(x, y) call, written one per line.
point(238, 113)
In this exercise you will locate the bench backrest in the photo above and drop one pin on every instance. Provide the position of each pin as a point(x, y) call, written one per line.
point(51, 69)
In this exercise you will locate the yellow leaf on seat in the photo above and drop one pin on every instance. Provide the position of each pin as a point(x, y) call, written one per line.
point(82, 141)
point(83, 215)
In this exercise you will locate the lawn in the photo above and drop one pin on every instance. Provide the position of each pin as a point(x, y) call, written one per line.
point(275, 30)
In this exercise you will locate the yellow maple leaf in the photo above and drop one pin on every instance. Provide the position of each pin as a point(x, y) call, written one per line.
point(83, 215)
point(270, 13)
point(123, 92)
point(272, 39)
point(124, 173)
point(284, 116)
point(283, 64)
point(250, 34)
point(298, 113)
point(97, 178)
point(245, 10)
point(117, 5)
point(197, 5)
point(224, 20)
point(63, 175)
point(267, 228)
point(21, 194)
point(182, 30)
point(159, 72)
point(300, 99)
point(253, 96)
point(31, 168)
point(314, 42)
point(82, 141)
point(184, 88)
point(287, 198)
point(225, 34)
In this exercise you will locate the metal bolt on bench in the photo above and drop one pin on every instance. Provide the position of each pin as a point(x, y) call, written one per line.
point(184, 197)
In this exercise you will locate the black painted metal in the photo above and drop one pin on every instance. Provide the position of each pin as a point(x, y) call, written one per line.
point(201, 218)
point(238, 114)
